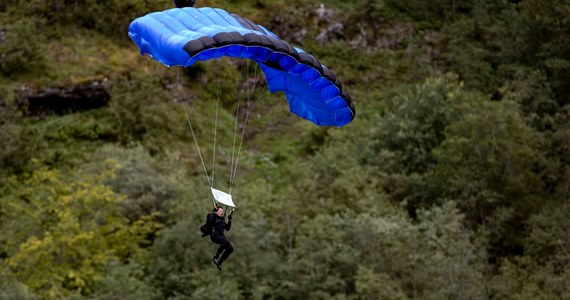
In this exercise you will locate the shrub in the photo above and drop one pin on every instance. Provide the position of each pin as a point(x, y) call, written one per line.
point(22, 50)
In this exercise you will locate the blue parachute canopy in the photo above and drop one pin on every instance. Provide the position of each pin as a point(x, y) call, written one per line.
point(183, 36)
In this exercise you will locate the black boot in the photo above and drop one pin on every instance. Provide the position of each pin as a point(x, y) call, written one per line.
point(217, 262)
point(220, 261)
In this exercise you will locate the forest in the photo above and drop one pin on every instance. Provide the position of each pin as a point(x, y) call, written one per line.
point(451, 182)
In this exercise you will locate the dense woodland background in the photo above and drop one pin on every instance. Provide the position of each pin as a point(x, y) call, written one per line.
point(452, 182)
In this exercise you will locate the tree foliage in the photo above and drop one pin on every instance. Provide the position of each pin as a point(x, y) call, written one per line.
point(20, 54)
point(64, 233)
point(452, 182)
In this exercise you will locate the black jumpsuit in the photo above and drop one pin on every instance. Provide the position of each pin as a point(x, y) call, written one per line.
point(218, 225)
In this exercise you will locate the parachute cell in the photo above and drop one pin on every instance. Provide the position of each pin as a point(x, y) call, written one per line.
point(183, 36)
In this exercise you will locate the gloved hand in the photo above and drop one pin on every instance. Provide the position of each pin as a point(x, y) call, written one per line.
point(230, 216)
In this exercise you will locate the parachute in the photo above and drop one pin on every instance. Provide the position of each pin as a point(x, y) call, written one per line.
point(183, 36)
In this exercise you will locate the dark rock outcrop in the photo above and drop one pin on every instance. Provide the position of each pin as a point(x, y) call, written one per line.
point(59, 100)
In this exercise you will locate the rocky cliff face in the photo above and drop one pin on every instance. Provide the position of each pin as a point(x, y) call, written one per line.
point(297, 25)
point(326, 25)
point(62, 99)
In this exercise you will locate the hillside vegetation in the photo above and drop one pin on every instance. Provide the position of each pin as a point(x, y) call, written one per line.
point(452, 182)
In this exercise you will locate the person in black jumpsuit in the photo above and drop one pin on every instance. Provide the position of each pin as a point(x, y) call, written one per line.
point(217, 222)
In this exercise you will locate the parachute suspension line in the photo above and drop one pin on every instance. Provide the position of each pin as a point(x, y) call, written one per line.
point(248, 114)
point(196, 142)
point(216, 122)
point(248, 98)
point(249, 110)
point(157, 69)
point(193, 134)
point(239, 93)
point(234, 143)
point(252, 104)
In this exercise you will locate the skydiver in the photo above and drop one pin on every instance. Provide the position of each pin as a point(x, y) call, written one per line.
point(217, 223)
point(184, 3)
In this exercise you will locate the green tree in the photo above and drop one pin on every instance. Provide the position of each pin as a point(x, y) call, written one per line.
point(137, 113)
point(123, 281)
point(60, 234)
point(11, 288)
point(324, 263)
point(401, 147)
point(19, 141)
point(150, 184)
point(542, 272)
point(548, 33)
point(436, 258)
point(531, 90)
point(371, 285)
point(415, 124)
point(453, 257)
point(103, 16)
point(22, 50)
point(487, 163)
